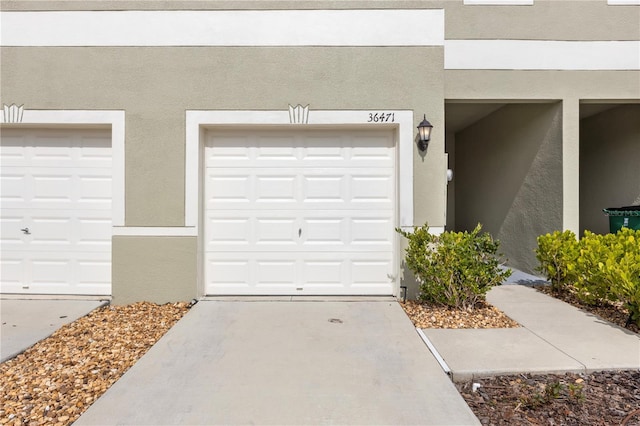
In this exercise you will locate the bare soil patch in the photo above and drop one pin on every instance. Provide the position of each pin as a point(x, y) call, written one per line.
point(57, 379)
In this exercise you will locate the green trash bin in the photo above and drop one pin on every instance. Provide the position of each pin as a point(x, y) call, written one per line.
point(619, 217)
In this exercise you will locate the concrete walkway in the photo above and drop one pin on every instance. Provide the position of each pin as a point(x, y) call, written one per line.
point(294, 362)
point(555, 337)
point(328, 360)
point(26, 322)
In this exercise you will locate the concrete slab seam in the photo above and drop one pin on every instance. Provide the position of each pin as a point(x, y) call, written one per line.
point(434, 352)
point(322, 299)
point(584, 366)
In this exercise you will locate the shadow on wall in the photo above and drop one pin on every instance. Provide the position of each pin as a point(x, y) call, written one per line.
point(609, 164)
point(509, 177)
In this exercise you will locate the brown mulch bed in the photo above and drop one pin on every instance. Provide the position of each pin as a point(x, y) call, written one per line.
point(57, 379)
point(601, 398)
point(433, 316)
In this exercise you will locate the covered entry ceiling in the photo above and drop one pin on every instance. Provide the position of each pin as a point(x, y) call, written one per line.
point(299, 212)
point(56, 211)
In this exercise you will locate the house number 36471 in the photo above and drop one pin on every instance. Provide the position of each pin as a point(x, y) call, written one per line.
point(381, 117)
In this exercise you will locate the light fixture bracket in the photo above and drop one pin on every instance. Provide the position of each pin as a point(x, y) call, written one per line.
point(424, 134)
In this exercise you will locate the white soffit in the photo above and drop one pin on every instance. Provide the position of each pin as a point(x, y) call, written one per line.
point(390, 27)
point(498, 2)
point(541, 55)
point(623, 2)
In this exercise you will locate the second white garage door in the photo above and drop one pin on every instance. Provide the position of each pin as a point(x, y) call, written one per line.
point(55, 211)
point(299, 212)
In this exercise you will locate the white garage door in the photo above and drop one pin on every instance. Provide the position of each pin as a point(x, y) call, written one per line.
point(299, 212)
point(56, 211)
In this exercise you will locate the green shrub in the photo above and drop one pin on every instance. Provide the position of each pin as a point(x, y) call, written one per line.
point(622, 267)
point(598, 268)
point(590, 278)
point(454, 268)
point(557, 254)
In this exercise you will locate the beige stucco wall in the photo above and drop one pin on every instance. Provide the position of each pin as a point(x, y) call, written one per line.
point(508, 174)
point(609, 164)
point(450, 147)
point(155, 86)
point(489, 85)
point(156, 269)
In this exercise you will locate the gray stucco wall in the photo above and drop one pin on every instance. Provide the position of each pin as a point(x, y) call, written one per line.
point(609, 164)
point(508, 175)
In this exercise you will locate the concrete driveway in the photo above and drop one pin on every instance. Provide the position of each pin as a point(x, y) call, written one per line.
point(286, 362)
point(26, 322)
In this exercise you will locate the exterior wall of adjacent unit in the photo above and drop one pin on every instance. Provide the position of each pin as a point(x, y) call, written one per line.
point(609, 164)
point(534, 77)
point(498, 56)
point(508, 167)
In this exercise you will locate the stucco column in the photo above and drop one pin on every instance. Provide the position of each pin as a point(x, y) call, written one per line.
point(571, 164)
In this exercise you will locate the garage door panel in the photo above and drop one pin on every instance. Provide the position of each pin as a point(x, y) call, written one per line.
point(298, 273)
point(373, 231)
point(50, 272)
point(56, 211)
point(229, 230)
point(51, 232)
point(12, 187)
point(275, 150)
point(299, 212)
point(278, 188)
point(49, 188)
point(94, 231)
point(57, 230)
point(227, 190)
point(52, 188)
point(226, 231)
point(371, 272)
point(276, 231)
point(324, 187)
point(321, 272)
point(276, 272)
point(95, 191)
point(324, 231)
point(373, 189)
point(13, 271)
point(56, 148)
point(320, 152)
point(93, 270)
point(11, 237)
point(229, 273)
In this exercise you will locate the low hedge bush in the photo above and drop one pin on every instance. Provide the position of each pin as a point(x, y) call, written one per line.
point(597, 268)
point(454, 268)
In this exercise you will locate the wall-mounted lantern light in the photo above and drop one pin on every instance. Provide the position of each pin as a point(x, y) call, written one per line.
point(424, 134)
